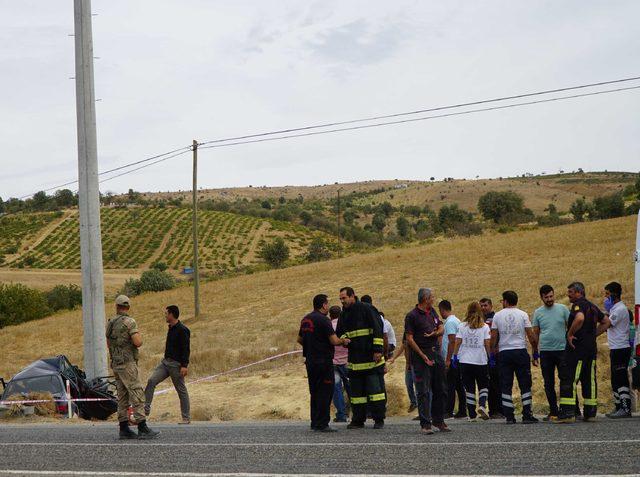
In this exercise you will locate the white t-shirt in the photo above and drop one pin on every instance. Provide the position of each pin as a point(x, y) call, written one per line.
point(511, 324)
point(618, 333)
point(388, 329)
point(472, 350)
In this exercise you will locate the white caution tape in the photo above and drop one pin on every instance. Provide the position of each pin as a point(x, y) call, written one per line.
point(38, 401)
point(234, 370)
point(164, 391)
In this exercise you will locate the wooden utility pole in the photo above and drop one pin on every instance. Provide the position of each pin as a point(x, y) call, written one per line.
point(196, 274)
point(93, 320)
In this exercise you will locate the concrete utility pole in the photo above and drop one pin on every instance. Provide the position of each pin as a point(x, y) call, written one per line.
point(196, 274)
point(95, 342)
point(338, 217)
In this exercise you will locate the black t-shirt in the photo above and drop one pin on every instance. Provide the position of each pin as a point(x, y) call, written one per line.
point(488, 318)
point(585, 341)
point(315, 330)
point(418, 323)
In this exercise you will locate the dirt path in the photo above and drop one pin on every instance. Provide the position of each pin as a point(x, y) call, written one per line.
point(264, 226)
point(32, 242)
point(47, 279)
point(156, 255)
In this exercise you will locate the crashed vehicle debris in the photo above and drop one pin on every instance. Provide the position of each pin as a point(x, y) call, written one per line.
point(49, 375)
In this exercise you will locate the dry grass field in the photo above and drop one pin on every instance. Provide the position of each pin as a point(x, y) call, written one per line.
point(249, 317)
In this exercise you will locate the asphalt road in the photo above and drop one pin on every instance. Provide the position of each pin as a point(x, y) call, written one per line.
point(277, 448)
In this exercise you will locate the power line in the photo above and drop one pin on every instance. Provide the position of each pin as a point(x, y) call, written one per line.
point(239, 140)
point(388, 123)
point(403, 121)
point(420, 111)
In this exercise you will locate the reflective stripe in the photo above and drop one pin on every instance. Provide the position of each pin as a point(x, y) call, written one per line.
point(576, 379)
point(469, 401)
point(484, 392)
point(625, 396)
point(527, 402)
point(507, 396)
point(360, 332)
point(591, 402)
point(364, 366)
point(568, 401)
point(471, 395)
point(594, 389)
point(526, 395)
point(377, 397)
point(623, 388)
point(507, 404)
point(378, 341)
point(358, 400)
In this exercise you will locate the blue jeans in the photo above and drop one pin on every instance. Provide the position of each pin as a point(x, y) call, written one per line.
point(411, 390)
point(341, 380)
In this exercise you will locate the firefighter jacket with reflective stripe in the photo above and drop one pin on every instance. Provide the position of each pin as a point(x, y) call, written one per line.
point(361, 323)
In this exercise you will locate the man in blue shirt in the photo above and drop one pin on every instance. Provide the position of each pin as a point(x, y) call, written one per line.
point(550, 327)
point(454, 377)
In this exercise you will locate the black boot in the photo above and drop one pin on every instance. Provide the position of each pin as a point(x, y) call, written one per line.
point(126, 432)
point(145, 433)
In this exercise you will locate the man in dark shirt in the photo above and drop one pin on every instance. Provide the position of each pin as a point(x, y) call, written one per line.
point(585, 319)
point(423, 327)
point(495, 401)
point(318, 339)
point(175, 363)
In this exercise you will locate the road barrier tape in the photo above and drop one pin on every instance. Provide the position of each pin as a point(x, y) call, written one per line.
point(163, 391)
point(233, 370)
point(39, 401)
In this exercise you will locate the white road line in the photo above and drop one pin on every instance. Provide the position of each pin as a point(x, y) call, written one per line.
point(231, 474)
point(312, 444)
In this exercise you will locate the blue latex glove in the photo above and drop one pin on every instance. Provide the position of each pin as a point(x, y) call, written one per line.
point(455, 361)
point(631, 343)
point(492, 360)
point(536, 356)
point(608, 303)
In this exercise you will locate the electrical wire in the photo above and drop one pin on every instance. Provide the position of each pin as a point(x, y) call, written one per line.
point(403, 121)
point(420, 111)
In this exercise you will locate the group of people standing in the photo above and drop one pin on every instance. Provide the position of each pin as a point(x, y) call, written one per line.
point(473, 361)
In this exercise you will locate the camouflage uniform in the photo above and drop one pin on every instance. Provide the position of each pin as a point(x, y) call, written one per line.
point(124, 362)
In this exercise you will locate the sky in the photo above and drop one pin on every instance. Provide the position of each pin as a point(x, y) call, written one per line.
point(168, 72)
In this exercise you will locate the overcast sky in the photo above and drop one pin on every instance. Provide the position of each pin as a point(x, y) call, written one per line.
point(172, 71)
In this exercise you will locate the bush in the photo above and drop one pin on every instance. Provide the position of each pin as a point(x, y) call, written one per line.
point(275, 253)
point(132, 287)
point(579, 209)
point(449, 216)
point(632, 209)
point(19, 303)
point(317, 251)
point(403, 226)
point(609, 206)
point(64, 297)
point(156, 280)
point(379, 221)
point(502, 207)
point(160, 266)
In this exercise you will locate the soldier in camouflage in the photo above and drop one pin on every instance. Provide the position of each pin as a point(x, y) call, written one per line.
point(124, 339)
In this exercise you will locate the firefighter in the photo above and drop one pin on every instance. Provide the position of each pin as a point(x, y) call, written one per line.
point(586, 321)
point(360, 323)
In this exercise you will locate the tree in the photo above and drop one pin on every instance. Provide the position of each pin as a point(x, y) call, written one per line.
point(40, 200)
point(317, 251)
point(266, 204)
point(1, 206)
point(305, 217)
point(579, 209)
point(349, 216)
point(275, 253)
point(403, 226)
point(379, 221)
point(500, 205)
point(65, 198)
point(609, 206)
point(451, 215)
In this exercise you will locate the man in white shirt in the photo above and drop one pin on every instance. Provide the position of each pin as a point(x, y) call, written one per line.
point(509, 328)
point(618, 335)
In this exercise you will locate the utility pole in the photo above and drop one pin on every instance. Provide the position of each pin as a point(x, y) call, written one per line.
point(95, 342)
point(196, 274)
point(339, 238)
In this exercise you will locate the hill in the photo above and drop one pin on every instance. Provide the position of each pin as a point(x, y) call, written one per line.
point(538, 191)
point(135, 237)
point(246, 318)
